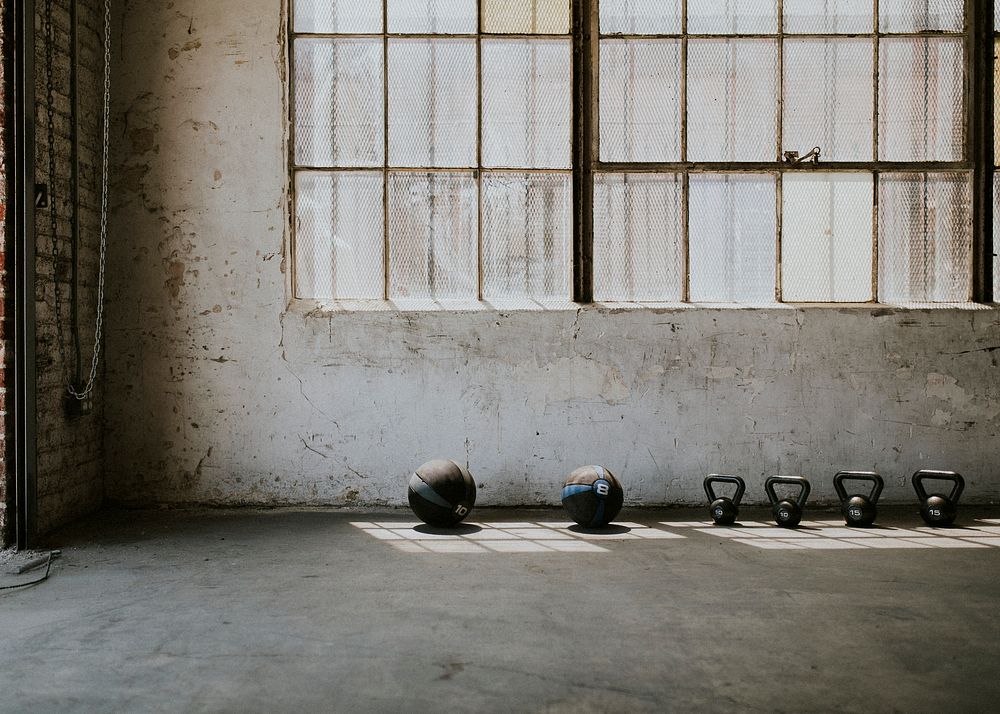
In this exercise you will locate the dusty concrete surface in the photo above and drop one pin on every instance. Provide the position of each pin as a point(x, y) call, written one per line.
point(301, 611)
point(226, 391)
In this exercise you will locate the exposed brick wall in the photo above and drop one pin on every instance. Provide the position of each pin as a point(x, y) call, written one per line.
point(70, 480)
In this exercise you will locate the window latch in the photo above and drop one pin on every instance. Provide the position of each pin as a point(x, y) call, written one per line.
point(792, 157)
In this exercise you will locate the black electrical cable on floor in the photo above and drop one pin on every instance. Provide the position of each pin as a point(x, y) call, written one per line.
point(45, 576)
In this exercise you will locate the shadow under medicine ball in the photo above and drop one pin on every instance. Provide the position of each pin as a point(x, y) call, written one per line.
point(592, 496)
point(441, 493)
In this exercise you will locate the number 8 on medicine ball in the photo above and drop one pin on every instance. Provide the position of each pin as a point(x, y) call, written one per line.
point(441, 493)
point(592, 496)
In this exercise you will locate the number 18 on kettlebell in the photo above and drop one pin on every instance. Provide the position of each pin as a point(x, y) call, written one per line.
point(787, 513)
point(938, 509)
point(858, 510)
point(724, 510)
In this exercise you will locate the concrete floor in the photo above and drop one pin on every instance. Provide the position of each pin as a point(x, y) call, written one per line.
point(281, 611)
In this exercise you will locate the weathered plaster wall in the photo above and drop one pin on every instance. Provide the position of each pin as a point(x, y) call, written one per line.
point(70, 481)
point(223, 393)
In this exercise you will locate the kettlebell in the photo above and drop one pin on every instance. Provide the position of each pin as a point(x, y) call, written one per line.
point(937, 509)
point(858, 510)
point(724, 510)
point(787, 513)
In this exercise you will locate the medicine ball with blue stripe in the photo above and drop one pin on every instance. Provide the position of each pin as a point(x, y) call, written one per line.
point(441, 493)
point(592, 496)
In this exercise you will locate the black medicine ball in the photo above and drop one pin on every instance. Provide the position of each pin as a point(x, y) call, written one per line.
point(592, 496)
point(441, 493)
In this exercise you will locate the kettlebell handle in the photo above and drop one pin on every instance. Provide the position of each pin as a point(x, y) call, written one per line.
point(958, 483)
point(877, 483)
point(799, 481)
point(741, 486)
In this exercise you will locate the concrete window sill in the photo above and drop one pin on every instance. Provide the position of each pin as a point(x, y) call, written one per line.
point(313, 307)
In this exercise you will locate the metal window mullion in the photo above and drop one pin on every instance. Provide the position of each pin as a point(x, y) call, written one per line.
point(479, 146)
point(684, 88)
point(780, 138)
point(980, 142)
point(685, 177)
point(385, 150)
point(779, 183)
point(780, 122)
point(583, 110)
point(685, 236)
point(876, 179)
point(876, 175)
point(290, 149)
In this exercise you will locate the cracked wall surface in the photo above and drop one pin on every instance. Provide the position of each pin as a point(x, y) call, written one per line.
point(226, 391)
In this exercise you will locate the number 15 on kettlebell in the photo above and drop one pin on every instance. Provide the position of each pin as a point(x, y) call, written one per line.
point(858, 510)
point(938, 509)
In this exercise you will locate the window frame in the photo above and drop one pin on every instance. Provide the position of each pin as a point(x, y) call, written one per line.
point(978, 35)
point(983, 34)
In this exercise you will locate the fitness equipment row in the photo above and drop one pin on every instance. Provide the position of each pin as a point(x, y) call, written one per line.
point(443, 493)
point(858, 509)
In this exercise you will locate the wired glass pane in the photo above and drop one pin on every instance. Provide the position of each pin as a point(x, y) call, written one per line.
point(432, 103)
point(921, 15)
point(829, 16)
point(339, 246)
point(526, 104)
point(338, 16)
point(640, 110)
point(925, 237)
point(732, 237)
point(432, 236)
point(433, 16)
point(828, 97)
point(921, 99)
point(732, 90)
point(640, 17)
point(826, 244)
point(338, 102)
point(723, 17)
point(544, 17)
point(526, 235)
point(638, 238)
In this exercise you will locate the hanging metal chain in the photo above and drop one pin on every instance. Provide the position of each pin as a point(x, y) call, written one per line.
point(88, 386)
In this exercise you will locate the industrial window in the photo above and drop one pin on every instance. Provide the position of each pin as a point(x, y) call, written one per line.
point(708, 151)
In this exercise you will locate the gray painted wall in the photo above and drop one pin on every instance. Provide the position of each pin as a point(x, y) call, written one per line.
point(226, 391)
